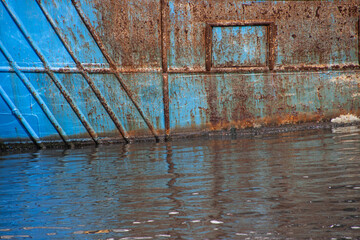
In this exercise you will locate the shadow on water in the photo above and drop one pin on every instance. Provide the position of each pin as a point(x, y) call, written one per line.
point(303, 185)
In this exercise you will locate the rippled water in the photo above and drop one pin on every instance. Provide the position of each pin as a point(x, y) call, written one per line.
point(298, 185)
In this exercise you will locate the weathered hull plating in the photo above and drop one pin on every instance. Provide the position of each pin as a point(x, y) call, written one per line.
point(95, 70)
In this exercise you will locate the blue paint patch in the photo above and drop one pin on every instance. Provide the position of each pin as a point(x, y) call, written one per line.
point(187, 49)
point(27, 105)
point(9, 126)
point(89, 104)
point(77, 35)
point(236, 46)
point(187, 105)
point(41, 32)
point(58, 105)
point(15, 42)
point(147, 89)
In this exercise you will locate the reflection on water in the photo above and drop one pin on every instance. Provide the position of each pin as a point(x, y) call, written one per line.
point(303, 185)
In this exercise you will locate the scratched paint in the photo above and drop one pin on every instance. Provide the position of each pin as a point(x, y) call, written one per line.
point(144, 69)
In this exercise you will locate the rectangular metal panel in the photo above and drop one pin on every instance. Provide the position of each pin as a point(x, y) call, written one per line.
point(236, 46)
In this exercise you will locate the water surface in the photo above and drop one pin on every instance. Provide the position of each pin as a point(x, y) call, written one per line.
point(296, 185)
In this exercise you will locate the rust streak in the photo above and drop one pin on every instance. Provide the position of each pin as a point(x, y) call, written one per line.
point(208, 47)
point(271, 41)
point(239, 69)
point(164, 44)
point(166, 105)
point(358, 29)
point(240, 23)
point(298, 68)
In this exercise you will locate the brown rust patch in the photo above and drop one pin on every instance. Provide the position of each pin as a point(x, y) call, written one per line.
point(166, 104)
point(242, 91)
point(131, 31)
point(211, 98)
point(270, 121)
point(305, 30)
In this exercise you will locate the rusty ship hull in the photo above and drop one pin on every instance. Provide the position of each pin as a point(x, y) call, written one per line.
point(95, 71)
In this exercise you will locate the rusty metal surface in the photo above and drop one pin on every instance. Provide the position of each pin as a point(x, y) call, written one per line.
point(308, 33)
point(130, 31)
point(228, 101)
point(79, 65)
point(113, 67)
point(160, 68)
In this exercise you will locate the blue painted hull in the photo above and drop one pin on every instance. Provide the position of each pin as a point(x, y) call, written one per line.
point(97, 71)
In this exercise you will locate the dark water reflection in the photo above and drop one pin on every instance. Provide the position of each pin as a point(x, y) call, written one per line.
point(298, 186)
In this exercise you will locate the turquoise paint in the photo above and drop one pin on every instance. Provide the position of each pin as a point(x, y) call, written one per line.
point(239, 46)
point(148, 89)
point(261, 96)
point(77, 35)
point(182, 108)
point(89, 104)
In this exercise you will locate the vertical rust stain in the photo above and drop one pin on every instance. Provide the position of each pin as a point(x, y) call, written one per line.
point(358, 29)
point(271, 41)
point(212, 98)
point(208, 46)
point(163, 33)
point(164, 62)
point(166, 105)
point(242, 90)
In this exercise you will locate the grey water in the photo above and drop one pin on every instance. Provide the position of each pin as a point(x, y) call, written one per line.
point(303, 185)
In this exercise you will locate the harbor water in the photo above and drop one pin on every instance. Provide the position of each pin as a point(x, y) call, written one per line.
point(303, 185)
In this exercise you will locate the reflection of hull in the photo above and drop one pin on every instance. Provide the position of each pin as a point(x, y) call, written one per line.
point(98, 71)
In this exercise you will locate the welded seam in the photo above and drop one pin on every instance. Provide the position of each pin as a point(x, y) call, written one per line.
point(53, 77)
point(358, 29)
point(76, 70)
point(164, 62)
point(163, 36)
point(113, 66)
point(271, 35)
point(35, 94)
point(208, 47)
point(15, 111)
point(166, 105)
point(83, 72)
point(243, 70)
